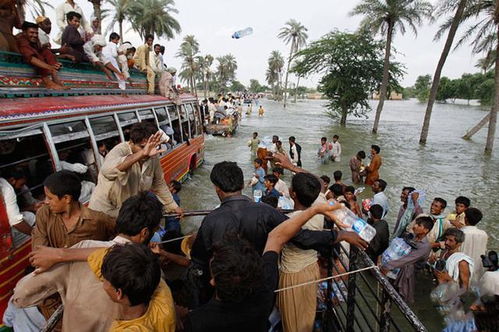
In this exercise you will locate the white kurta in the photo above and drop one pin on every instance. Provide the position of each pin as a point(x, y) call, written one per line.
point(474, 245)
point(62, 22)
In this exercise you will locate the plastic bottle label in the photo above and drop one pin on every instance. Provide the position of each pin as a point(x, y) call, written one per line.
point(358, 225)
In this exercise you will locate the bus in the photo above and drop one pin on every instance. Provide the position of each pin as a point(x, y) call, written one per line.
point(41, 135)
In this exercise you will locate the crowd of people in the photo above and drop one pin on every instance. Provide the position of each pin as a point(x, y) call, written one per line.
point(81, 42)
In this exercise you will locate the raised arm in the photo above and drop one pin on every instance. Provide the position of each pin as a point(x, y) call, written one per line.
point(43, 258)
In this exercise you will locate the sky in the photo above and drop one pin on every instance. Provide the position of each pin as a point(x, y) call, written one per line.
point(213, 22)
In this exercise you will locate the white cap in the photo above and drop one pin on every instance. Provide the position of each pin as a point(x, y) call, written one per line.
point(99, 40)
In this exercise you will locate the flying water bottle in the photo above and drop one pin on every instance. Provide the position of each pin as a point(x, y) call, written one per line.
point(242, 33)
point(355, 224)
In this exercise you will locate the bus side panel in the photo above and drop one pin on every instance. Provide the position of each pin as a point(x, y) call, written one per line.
point(177, 163)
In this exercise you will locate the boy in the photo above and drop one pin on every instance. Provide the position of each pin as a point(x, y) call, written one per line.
point(270, 182)
point(259, 175)
point(456, 219)
point(381, 240)
point(132, 278)
point(336, 149)
point(253, 143)
point(72, 39)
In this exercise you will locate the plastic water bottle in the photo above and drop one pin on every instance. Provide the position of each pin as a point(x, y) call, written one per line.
point(421, 199)
point(257, 195)
point(242, 33)
point(398, 248)
point(356, 224)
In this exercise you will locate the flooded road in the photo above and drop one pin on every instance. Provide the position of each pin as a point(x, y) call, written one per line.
point(447, 166)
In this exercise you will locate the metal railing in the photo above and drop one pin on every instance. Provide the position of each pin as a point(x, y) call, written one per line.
point(369, 302)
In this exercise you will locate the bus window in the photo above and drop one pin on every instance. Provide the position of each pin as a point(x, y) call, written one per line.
point(70, 140)
point(192, 119)
point(147, 115)
point(25, 149)
point(106, 136)
point(126, 121)
point(177, 134)
point(198, 116)
point(185, 122)
point(164, 124)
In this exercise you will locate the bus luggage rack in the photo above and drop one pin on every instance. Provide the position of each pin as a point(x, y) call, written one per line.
point(370, 301)
point(43, 92)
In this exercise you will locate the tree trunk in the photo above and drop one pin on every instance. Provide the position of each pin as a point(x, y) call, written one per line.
point(343, 119)
point(477, 127)
point(438, 71)
point(296, 89)
point(287, 72)
point(120, 23)
point(97, 13)
point(20, 10)
point(493, 112)
point(384, 81)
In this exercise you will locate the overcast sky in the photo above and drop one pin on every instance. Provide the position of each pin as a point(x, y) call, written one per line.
point(214, 21)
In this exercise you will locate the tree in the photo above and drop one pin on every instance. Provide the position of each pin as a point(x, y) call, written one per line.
point(188, 52)
point(422, 87)
point(226, 70)
point(386, 17)
point(352, 67)
point(295, 33)
point(274, 71)
point(452, 25)
point(35, 7)
point(121, 13)
point(486, 63)
point(205, 73)
point(154, 17)
point(237, 86)
point(255, 86)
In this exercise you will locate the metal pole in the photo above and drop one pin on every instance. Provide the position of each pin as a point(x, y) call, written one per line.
point(54, 319)
point(384, 318)
point(351, 289)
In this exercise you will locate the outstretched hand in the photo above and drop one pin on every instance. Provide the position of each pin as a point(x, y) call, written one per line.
point(282, 160)
point(152, 146)
point(43, 258)
point(352, 238)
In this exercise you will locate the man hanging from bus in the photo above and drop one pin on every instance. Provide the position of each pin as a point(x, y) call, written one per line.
point(131, 167)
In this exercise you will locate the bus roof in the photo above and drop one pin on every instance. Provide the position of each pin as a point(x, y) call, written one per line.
point(25, 110)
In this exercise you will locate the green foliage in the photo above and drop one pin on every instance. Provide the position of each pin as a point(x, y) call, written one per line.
point(154, 17)
point(447, 89)
point(352, 68)
point(274, 72)
point(422, 87)
point(226, 71)
point(255, 86)
point(237, 86)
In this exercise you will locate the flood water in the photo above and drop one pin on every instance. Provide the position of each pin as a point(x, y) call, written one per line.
point(447, 166)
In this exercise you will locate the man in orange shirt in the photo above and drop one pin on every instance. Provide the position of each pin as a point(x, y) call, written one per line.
point(373, 169)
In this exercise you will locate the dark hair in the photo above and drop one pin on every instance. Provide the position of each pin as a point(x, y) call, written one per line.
point(323, 138)
point(149, 36)
point(142, 131)
point(425, 221)
point(457, 233)
point(376, 211)
point(441, 201)
point(132, 48)
point(134, 269)
point(271, 178)
point(16, 173)
point(28, 25)
point(114, 35)
point(176, 185)
point(349, 189)
point(258, 161)
point(138, 212)
point(382, 184)
point(227, 176)
point(162, 49)
point(71, 15)
point(278, 170)
point(255, 133)
point(337, 175)
point(157, 45)
point(275, 136)
point(376, 148)
point(473, 216)
point(236, 268)
point(486, 319)
point(361, 154)
point(410, 189)
point(336, 189)
point(306, 187)
point(463, 200)
point(292, 139)
point(270, 200)
point(64, 183)
point(336, 136)
point(326, 179)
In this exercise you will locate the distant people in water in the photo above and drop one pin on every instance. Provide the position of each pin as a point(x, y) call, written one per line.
point(261, 111)
point(372, 171)
point(253, 144)
point(336, 149)
point(357, 167)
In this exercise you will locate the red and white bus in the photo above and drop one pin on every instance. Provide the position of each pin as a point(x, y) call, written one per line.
point(36, 134)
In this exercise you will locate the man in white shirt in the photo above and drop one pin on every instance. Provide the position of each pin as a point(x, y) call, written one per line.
point(110, 53)
point(93, 50)
point(273, 147)
point(21, 223)
point(336, 149)
point(475, 240)
point(280, 186)
point(379, 197)
point(60, 14)
point(156, 60)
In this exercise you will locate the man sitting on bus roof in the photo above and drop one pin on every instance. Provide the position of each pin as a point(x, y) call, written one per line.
point(21, 223)
point(42, 59)
point(131, 167)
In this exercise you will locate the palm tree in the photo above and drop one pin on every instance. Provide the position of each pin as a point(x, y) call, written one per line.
point(487, 62)
point(35, 7)
point(121, 13)
point(386, 17)
point(452, 25)
point(97, 12)
point(226, 70)
point(188, 52)
point(485, 33)
point(154, 17)
point(204, 64)
point(274, 70)
point(295, 33)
